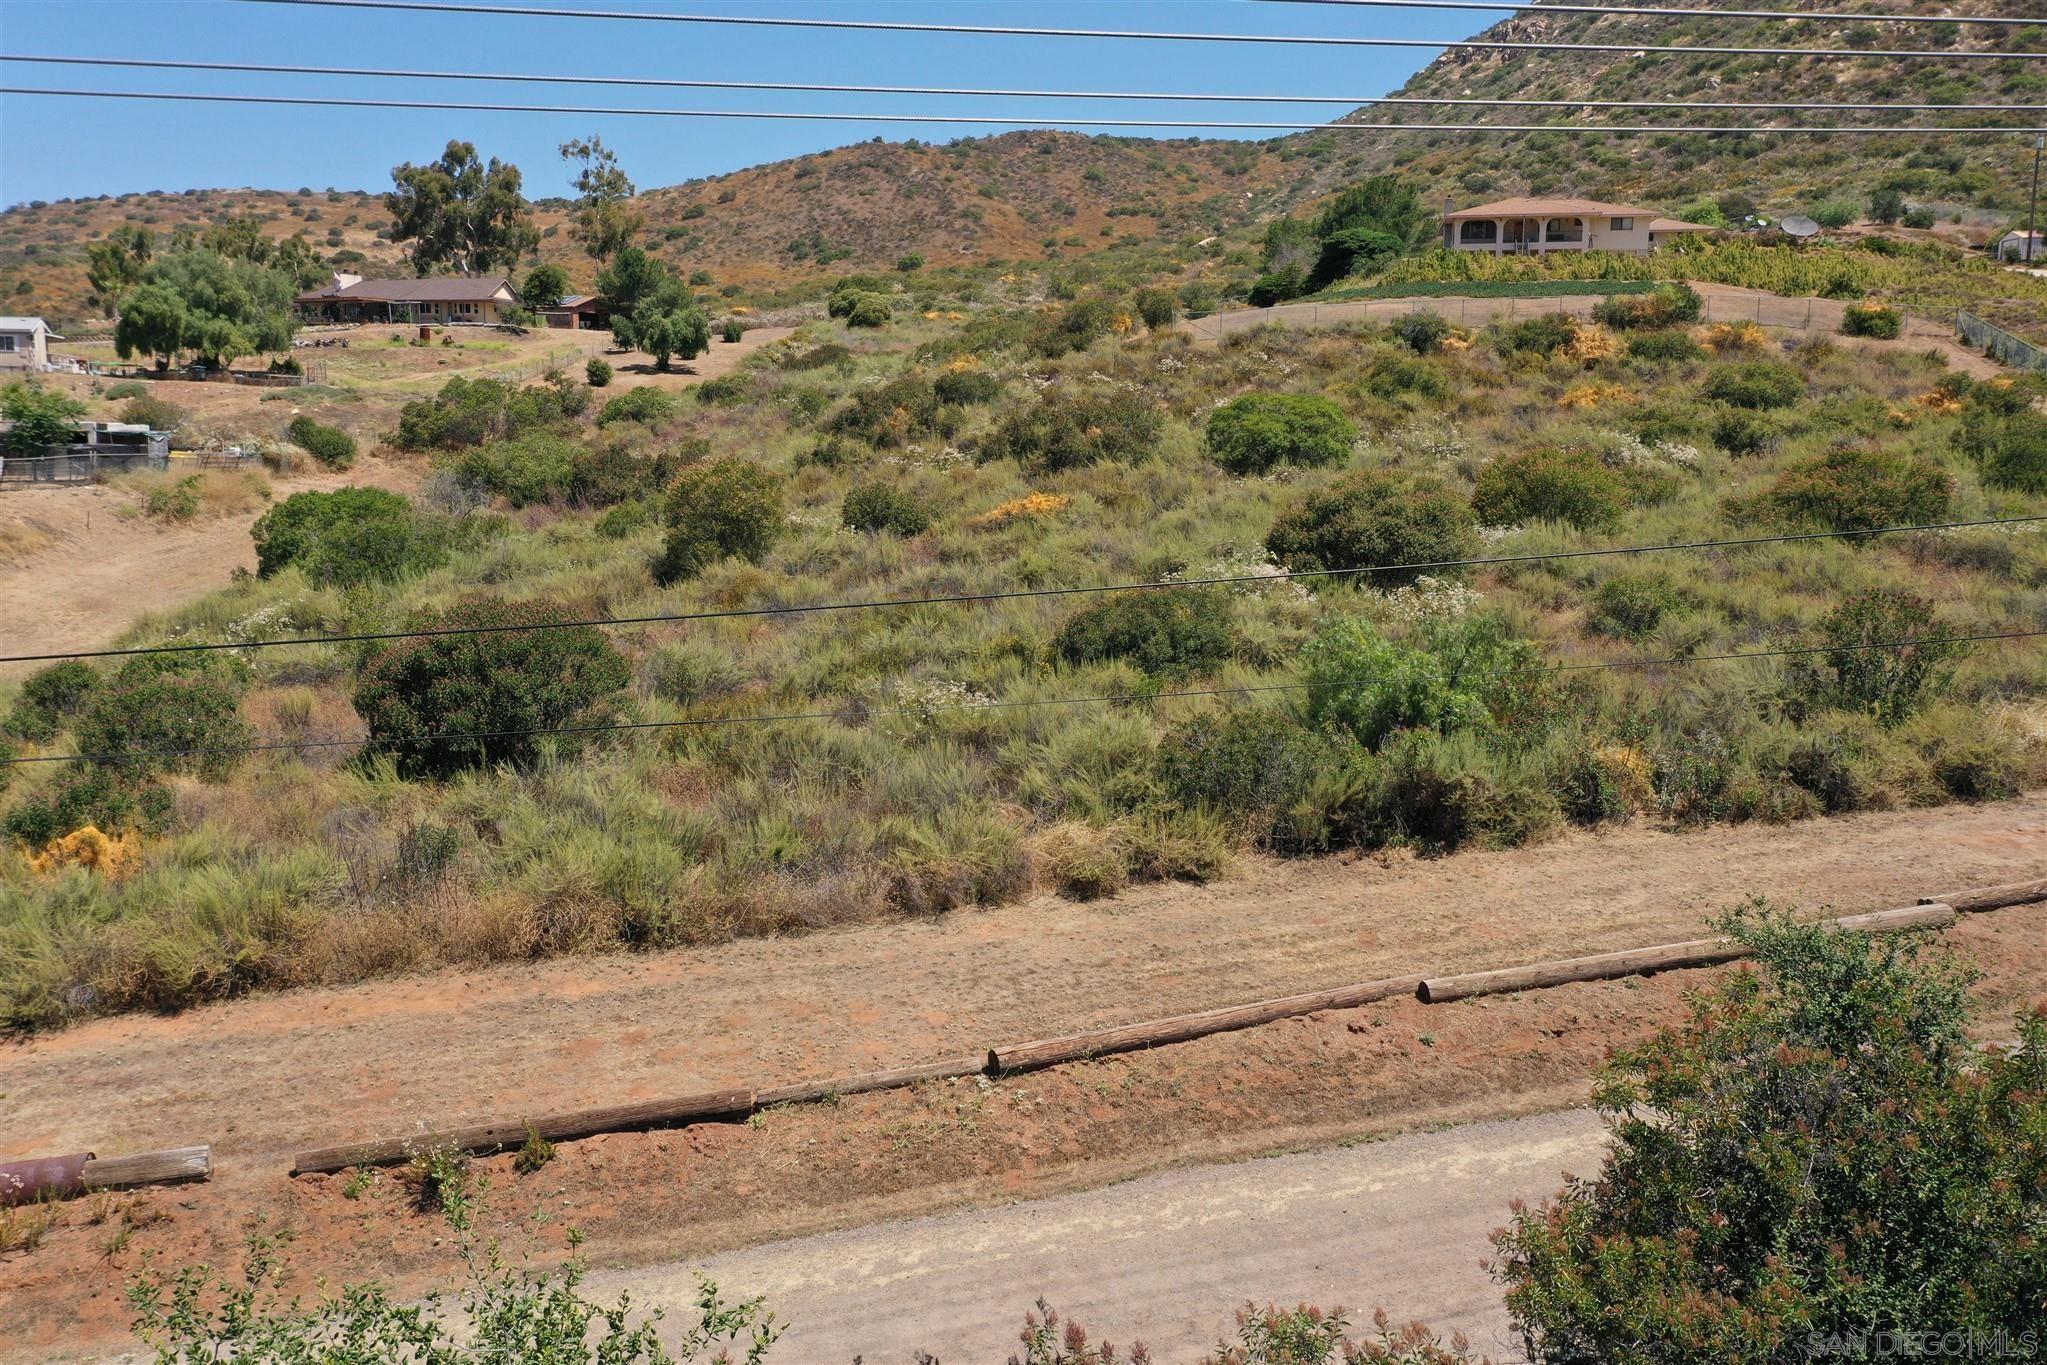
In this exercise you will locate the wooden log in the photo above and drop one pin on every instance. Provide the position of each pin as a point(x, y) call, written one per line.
point(804, 1092)
point(174, 1166)
point(1179, 1028)
point(504, 1134)
point(1662, 957)
point(1992, 897)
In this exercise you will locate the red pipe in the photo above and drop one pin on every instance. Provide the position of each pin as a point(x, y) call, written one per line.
point(45, 1177)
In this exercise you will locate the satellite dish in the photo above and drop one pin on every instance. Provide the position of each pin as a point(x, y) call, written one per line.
point(1798, 225)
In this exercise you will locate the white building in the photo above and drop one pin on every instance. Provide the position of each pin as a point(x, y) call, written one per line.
point(2012, 247)
point(1521, 226)
point(24, 343)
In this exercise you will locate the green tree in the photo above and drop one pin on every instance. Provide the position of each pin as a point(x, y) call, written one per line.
point(546, 285)
point(461, 213)
point(237, 238)
point(439, 704)
point(1863, 668)
point(200, 301)
point(1818, 1155)
point(42, 416)
point(631, 277)
point(1470, 673)
point(1372, 221)
point(115, 265)
point(299, 261)
point(604, 220)
point(666, 323)
point(1887, 205)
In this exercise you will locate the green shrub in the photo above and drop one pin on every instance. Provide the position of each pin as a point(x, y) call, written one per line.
point(1871, 320)
point(1743, 434)
point(439, 704)
point(1278, 286)
point(732, 330)
point(48, 698)
point(1846, 489)
point(1756, 384)
point(597, 370)
point(1672, 345)
point(1835, 213)
point(535, 467)
point(1395, 374)
point(1066, 429)
point(1469, 672)
point(41, 416)
point(1251, 434)
point(1544, 336)
point(1158, 308)
point(155, 413)
point(716, 510)
point(348, 536)
point(1551, 483)
point(964, 387)
point(626, 518)
point(331, 446)
point(725, 391)
point(869, 310)
point(173, 712)
point(876, 507)
point(1667, 305)
point(2004, 433)
point(909, 261)
point(600, 476)
point(1835, 1088)
point(468, 412)
point(1630, 606)
point(1376, 518)
point(1856, 674)
point(1423, 333)
point(1075, 327)
point(107, 796)
point(127, 388)
point(1167, 633)
point(1251, 765)
point(892, 414)
point(1436, 793)
point(646, 405)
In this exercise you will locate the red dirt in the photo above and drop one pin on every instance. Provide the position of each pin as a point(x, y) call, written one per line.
point(261, 1077)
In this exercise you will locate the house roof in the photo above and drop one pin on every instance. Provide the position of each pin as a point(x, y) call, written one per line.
point(453, 289)
point(23, 325)
point(1676, 225)
point(1550, 208)
point(573, 303)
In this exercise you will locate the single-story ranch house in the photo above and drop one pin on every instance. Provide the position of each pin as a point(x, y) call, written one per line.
point(350, 298)
point(1519, 226)
point(24, 344)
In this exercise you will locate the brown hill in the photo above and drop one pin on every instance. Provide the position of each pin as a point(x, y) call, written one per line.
point(1029, 196)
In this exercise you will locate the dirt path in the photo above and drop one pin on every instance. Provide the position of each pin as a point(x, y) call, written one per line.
point(390, 1056)
point(260, 1077)
point(92, 571)
point(1724, 303)
point(1401, 1225)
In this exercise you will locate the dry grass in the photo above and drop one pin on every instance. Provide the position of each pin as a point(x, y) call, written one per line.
point(22, 1228)
point(23, 542)
point(176, 495)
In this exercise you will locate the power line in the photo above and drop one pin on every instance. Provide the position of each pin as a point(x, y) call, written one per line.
point(1651, 11)
point(1290, 39)
point(666, 83)
point(1019, 594)
point(864, 713)
point(314, 102)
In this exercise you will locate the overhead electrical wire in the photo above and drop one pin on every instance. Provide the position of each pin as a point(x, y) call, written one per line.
point(1016, 594)
point(869, 713)
point(1152, 35)
point(670, 83)
point(1654, 11)
point(1022, 121)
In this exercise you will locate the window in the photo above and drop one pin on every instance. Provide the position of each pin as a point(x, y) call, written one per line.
point(1479, 232)
point(6, 341)
point(1564, 230)
point(1623, 225)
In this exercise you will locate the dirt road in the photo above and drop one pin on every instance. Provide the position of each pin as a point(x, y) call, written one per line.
point(1401, 1225)
point(93, 572)
point(1723, 303)
point(457, 1045)
point(261, 1077)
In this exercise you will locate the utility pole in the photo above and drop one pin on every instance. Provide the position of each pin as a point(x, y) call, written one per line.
point(2033, 213)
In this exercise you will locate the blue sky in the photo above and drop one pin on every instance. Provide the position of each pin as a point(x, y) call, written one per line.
point(51, 148)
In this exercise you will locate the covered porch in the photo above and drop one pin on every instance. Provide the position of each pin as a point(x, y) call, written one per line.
point(1517, 235)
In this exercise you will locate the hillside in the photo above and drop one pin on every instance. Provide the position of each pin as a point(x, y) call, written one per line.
point(1030, 196)
point(1980, 180)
